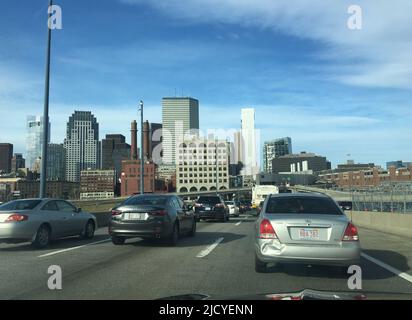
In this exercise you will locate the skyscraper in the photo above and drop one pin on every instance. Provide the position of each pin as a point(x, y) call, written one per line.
point(248, 134)
point(17, 162)
point(179, 115)
point(34, 139)
point(114, 150)
point(56, 162)
point(6, 153)
point(273, 149)
point(81, 144)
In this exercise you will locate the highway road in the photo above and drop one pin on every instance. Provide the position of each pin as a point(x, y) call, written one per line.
point(219, 261)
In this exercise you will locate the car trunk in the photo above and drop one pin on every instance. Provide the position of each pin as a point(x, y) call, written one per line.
point(139, 213)
point(309, 229)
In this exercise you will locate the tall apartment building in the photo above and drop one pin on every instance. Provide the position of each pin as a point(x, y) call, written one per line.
point(56, 162)
point(34, 140)
point(248, 134)
point(179, 115)
point(202, 165)
point(6, 154)
point(82, 144)
point(97, 184)
point(274, 149)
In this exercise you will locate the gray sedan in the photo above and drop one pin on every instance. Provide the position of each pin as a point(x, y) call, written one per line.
point(304, 228)
point(41, 220)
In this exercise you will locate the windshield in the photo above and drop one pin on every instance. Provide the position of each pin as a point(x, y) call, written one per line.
point(305, 205)
point(225, 148)
point(209, 200)
point(20, 205)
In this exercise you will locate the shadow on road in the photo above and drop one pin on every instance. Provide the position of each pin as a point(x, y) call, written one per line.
point(202, 238)
point(54, 245)
point(370, 271)
point(392, 258)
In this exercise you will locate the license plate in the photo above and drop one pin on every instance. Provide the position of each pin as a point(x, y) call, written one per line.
point(134, 216)
point(207, 209)
point(309, 234)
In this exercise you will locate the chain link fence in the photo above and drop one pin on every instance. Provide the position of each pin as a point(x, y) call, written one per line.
point(385, 198)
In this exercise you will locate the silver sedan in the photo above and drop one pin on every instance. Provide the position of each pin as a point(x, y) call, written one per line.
point(304, 228)
point(41, 220)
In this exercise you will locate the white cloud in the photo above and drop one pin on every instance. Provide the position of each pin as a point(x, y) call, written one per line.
point(383, 45)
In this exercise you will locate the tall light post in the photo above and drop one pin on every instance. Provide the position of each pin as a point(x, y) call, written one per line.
point(43, 175)
point(141, 150)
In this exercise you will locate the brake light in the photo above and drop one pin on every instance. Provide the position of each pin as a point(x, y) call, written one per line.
point(116, 213)
point(219, 205)
point(351, 233)
point(158, 213)
point(16, 217)
point(198, 205)
point(266, 230)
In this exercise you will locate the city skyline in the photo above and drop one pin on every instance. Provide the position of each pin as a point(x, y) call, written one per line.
point(328, 105)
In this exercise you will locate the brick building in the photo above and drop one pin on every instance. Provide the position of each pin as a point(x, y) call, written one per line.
point(130, 178)
point(367, 178)
point(97, 184)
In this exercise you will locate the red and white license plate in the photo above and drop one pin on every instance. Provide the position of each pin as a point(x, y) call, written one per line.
point(309, 234)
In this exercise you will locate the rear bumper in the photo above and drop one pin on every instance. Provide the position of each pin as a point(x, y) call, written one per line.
point(345, 254)
point(214, 214)
point(17, 232)
point(152, 229)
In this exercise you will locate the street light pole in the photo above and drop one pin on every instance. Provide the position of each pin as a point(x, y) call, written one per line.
point(43, 175)
point(141, 150)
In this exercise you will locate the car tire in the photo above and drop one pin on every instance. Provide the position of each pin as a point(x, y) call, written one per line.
point(89, 230)
point(260, 267)
point(118, 241)
point(42, 239)
point(192, 232)
point(174, 237)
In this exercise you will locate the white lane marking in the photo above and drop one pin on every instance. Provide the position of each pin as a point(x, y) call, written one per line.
point(399, 273)
point(209, 249)
point(238, 223)
point(70, 249)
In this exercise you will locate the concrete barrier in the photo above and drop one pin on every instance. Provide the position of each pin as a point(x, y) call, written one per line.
point(394, 223)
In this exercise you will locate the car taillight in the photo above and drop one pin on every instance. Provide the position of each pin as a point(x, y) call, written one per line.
point(116, 213)
point(266, 230)
point(198, 205)
point(219, 205)
point(158, 213)
point(351, 233)
point(16, 217)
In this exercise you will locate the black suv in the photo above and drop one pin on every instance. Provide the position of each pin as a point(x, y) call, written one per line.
point(211, 207)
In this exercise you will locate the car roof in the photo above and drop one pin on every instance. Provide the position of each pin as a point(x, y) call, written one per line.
point(300, 195)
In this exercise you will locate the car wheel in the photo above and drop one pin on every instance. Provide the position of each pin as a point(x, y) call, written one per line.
point(118, 240)
point(42, 239)
point(88, 232)
point(174, 237)
point(193, 231)
point(260, 267)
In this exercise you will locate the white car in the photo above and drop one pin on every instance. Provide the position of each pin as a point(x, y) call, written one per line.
point(233, 208)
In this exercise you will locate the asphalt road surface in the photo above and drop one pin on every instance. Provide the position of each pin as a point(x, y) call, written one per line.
point(218, 261)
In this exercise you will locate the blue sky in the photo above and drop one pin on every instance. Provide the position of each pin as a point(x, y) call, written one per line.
point(335, 91)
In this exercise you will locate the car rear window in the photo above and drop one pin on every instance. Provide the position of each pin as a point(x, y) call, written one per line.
point(211, 200)
point(20, 205)
point(146, 201)
point(302, 206)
